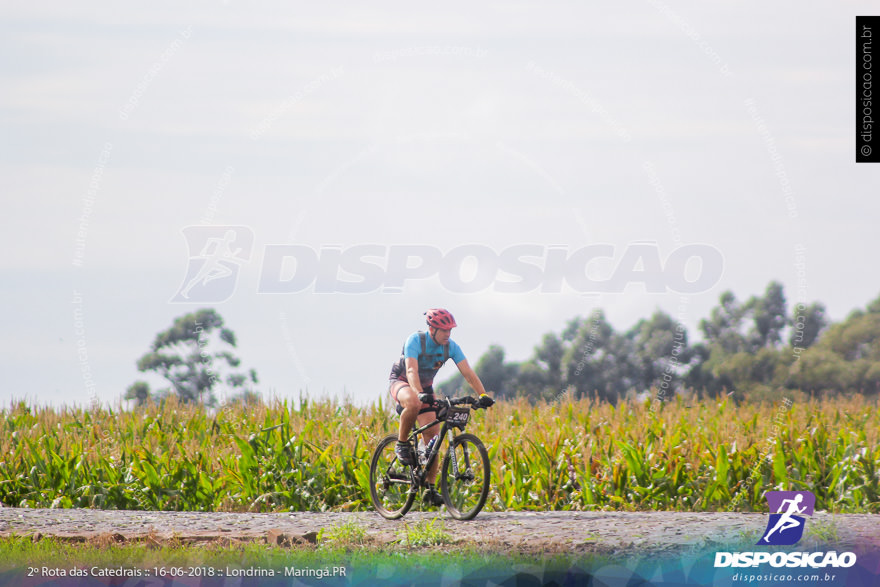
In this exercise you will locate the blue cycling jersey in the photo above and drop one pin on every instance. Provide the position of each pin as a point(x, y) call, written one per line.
point(430, 360)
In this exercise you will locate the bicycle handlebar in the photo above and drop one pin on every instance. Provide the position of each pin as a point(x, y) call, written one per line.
point(449, 401)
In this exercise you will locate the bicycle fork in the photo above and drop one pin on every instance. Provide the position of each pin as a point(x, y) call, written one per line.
point(456, 473)
point(452, 456)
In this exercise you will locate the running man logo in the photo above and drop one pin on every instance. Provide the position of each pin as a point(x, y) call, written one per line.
point(216, 254)
point(785, 527)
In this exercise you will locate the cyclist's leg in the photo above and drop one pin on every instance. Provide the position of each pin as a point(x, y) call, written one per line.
point(427, 418)
point(404, 395)
point(412, 413)
point(406, 453)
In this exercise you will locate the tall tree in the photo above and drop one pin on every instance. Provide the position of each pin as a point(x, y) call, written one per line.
point(769, 316)
point(750, 361)
point(540, 377)
point(495, 374)
point(808, 322)
point(722, 338)
point(722, 328)
point(139, 391)
point(548, 355)
point(660, 347)
point(185, 356)
point(599, 363)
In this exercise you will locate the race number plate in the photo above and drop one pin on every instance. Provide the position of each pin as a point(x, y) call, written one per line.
point(458, 416)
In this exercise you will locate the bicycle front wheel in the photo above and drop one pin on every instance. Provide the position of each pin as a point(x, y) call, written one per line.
point(390, 481)
point(465, 477)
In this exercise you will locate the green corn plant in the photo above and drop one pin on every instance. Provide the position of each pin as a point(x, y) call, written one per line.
point(700, 455)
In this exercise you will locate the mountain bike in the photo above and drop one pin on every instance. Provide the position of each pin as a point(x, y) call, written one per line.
point(464, 476)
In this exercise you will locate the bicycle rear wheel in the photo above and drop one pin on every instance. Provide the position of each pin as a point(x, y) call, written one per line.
point(465, 478)
point(390, 481)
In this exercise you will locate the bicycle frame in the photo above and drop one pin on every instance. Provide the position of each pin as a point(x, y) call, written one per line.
point(420, 471)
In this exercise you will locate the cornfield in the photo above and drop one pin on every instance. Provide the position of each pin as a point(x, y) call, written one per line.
point(700, 455)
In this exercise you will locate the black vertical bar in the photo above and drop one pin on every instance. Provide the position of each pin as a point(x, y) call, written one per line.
point(867, 31)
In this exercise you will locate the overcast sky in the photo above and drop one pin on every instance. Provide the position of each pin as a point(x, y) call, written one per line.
point(724, 130)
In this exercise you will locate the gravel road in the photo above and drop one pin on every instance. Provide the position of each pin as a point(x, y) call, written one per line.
point(600, 532)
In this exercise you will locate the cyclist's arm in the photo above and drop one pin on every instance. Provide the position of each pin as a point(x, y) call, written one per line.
point(412, 374)
point(471, 377)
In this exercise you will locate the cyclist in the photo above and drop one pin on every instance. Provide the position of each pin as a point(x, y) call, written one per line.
point(413, 374)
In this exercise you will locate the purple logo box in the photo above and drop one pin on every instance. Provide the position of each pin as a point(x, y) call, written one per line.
point(802, 499)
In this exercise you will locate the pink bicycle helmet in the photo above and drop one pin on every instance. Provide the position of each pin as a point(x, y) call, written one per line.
point(440, 318)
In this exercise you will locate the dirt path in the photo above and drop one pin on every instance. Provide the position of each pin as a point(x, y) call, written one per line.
point(601, 532)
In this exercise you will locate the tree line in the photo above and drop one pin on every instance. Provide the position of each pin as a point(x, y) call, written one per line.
point(757, 347)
